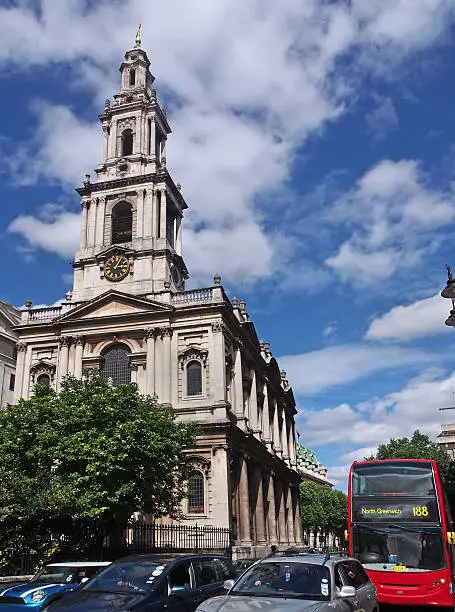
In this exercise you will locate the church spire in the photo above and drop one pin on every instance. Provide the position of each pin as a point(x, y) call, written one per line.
point(138, 36)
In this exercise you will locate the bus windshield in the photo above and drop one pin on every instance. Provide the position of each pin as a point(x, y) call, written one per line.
point(410, 478)
point(382, 548)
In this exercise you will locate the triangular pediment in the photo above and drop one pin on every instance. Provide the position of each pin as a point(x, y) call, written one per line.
point(114, 303)
point(115, 249)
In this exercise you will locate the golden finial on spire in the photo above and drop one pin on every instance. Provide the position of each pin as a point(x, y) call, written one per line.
point(138, 36)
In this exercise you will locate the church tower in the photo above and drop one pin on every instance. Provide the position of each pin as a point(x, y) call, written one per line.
point(131, 234)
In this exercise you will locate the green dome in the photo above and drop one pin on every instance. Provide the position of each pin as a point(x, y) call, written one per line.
point(307, 461)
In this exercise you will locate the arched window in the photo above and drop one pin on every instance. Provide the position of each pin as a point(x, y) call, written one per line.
point(127, 142)
point(196, 504)
point(194, 378)
point(43, 380)
point(116, 366)
point(132, 78)
point(122, 223)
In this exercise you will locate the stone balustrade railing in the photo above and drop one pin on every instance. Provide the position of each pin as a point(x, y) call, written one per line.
point(193, 296)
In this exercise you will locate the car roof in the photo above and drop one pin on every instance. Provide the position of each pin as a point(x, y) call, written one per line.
point(310, 559)
point(168, 557)
point(80, 564)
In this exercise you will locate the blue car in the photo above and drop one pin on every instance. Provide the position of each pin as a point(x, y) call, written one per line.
point(48, 585)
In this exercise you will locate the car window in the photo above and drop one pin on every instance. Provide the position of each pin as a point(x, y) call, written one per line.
point(225, 569)
point(205, 572)
point(162, 589)
point(86, 572)
point(180, 577)
point(338, 576)
point(350, 576)
point(361, 573)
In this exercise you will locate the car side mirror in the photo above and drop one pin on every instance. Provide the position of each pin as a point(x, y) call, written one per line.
point(346, 591)
point(228, 584)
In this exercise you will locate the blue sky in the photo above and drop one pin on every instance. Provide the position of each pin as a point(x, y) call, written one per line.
point(314, 141)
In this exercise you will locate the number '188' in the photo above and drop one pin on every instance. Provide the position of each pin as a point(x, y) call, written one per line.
point(420, 510)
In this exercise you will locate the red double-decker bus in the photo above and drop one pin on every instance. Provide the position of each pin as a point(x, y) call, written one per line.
point(400, 529)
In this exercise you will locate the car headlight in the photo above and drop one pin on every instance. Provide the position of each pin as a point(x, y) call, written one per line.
point(38, 596)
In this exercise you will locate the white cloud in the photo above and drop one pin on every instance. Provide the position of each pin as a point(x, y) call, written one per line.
point(382, 120)
point(249, 83)
point(329, 367)
point(395, 415)
point(393, 217)
point(358, 454)
point(54, 231)
point(338, 476)
point(417, 320)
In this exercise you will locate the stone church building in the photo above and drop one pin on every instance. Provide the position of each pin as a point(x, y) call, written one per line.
point(130, 317)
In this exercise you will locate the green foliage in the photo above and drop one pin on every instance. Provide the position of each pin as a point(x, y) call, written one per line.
point(420, 446)
point(323, 509)
point(82, 461)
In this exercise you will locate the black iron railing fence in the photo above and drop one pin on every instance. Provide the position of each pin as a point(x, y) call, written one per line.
point(137, 537)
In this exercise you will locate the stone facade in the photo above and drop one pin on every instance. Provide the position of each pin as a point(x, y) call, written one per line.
point(130, 317)
point(9, 317)
point(447, 439)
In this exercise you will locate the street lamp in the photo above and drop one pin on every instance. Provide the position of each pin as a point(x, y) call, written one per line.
point(449, 293)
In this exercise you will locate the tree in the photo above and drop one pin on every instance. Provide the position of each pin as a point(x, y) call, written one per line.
point(79, 463)
point(323, 509)
point(420, 446)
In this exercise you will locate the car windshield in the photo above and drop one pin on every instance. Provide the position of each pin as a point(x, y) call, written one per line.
point(285, 579)
point(58, 574)
point(405, 478)
point(410, 548)
point(127, 577)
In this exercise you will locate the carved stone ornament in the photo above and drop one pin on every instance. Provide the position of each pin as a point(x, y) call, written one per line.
point(65, 340)
point(79, 341)
point(126, 124)
point(42, 367)
point(191, 353)
point(198, 462)
point(217, 326)
point(21, 347)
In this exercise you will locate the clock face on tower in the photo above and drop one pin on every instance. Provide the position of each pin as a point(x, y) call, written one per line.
point(116, 268)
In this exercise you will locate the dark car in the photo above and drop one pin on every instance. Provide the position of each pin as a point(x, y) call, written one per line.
point(52, 582)
point(140, 583)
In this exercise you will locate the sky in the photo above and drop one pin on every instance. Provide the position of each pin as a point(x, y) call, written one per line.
point(314, 141)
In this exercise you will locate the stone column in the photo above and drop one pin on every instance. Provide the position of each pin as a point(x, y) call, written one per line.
point(105, 142)
point(134, 368)
point(150, 362)
point(78, 357)
point(253, 407)
point(83, 239)
point(26, 378)
point(281, 512)
point(147, 230)
point(153, 138)
point(101, 210)
point(266, 433)
point(21, 349)
point(244, 505)
point(63, 354)
point(217, 364)
point(140, 214)
point(159, 364)
point(166, 372)
point(91, 224)
point(271, 511)
point(178, 235)
point(290, 515)
point(276, 429)
point(292, 449)
point(163, 214)
point(297, 516)
point(284, 436)
point(259, 515)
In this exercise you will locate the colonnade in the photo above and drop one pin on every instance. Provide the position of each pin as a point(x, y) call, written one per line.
point(268, 419)
point(267, 509)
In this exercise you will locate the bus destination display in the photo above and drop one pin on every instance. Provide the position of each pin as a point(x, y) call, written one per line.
point(395, 512)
